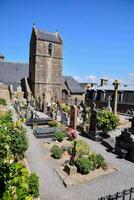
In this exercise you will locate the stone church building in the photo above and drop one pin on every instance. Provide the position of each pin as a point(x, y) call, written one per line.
point(42, 79)
point(45, 65)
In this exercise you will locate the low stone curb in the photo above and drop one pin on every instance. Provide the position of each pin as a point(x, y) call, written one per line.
point(79, 178)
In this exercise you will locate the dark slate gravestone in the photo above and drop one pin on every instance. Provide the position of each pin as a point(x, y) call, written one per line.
point(125, 145)
point(93, 130)
point(132, 125)
point(46, 132)
point(38, 121)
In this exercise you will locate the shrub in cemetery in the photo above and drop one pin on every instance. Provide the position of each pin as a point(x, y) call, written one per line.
point(33, 185)
point(83, 164)
point(107, 121)
point(19, 184)
point(65, 108)
point(82, 147)
point(56, 152)
point(3, 102)
point(60, 136)
point(53, 124)
point(97, 160)
point(92, 158)
point(16, 183)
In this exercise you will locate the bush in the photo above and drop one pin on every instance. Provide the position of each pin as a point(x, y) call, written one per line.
point(34, 185)
point(3, 102)
point(56, 152)
point(84, 165)
point(100, 160)
point(82, 147)
point(53, 124)
point(107, 121)
point(19, 184)
point(97, 160)
point(92, 158)
point(60, 136)
point(65, 108)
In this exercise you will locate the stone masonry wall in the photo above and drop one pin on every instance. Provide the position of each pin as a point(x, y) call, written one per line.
point(46, 69)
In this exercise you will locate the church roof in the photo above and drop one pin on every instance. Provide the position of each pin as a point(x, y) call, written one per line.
point(72, 85)
point(48, 36)
point(111, 88)
point(12, 72)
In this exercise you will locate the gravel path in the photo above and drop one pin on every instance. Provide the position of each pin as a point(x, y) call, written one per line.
point(51, 187)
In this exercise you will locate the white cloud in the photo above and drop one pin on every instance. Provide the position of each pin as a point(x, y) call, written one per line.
point(91, 78)
point(77, 78)
point(131, 75)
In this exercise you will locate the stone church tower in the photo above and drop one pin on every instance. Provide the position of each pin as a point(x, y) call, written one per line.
point(45, 65)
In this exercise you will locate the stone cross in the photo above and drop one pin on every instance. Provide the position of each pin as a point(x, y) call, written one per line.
point(72, 158)
point(116, 85)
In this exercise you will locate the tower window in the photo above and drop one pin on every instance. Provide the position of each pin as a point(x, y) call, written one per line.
point(50, 49)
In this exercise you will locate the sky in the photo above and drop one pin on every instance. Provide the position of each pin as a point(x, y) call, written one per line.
point(98, 35)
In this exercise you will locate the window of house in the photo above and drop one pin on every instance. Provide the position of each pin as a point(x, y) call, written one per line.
point(50, 49)
point(120, 97)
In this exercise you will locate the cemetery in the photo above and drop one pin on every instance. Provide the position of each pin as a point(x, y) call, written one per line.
point(65, 131)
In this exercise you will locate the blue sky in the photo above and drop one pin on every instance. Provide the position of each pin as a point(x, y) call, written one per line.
point(98, 35)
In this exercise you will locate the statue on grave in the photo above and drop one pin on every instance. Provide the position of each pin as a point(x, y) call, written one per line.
point(109, 104)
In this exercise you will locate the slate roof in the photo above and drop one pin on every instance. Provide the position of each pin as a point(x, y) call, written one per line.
point(72, 85)
point(48, 36)
point(83, 85)
point(12, 73)
point(111, 87)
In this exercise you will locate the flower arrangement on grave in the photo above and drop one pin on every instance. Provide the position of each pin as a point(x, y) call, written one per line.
point(53, 123)
point(72, 134)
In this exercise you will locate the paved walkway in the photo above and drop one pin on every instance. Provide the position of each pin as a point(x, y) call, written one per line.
point(51, 187)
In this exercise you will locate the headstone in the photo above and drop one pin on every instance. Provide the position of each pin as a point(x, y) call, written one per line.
point(58, 116)
point(73, 117)
point(64, 118)
point(125, 144)
point(132, 125)
point(80, 118)
point(93, 130)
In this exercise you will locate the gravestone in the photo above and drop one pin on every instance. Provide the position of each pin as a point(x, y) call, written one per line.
point(94, 133)
point(125, 145)
point(80, 118)
point(58, 116)
point(132, 125)
point(64, 118)
point(73, 117)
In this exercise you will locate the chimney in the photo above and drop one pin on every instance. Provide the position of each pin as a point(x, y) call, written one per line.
point(93, 84)
point(1, 57)
point(104, 82)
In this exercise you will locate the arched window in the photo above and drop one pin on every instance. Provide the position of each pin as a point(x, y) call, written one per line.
point(50, 49)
